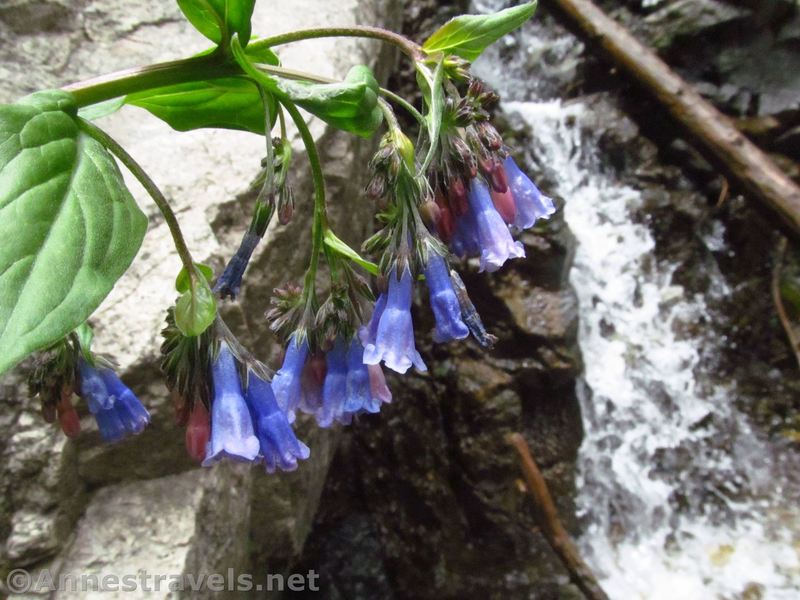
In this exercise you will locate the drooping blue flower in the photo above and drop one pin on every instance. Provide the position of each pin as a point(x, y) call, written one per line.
point(531, 203)
point(92, 389)
point(280, 448)
point(394, 341)
point(444, 302)
point(287, 381)
point(465, 240)
point(129, 409)
point(110, 425)
point(115, 407)
point(497, 245)
point(370, 333)
point(231, 426)
point(334, 390)
point(359, 397)
point(378, 390)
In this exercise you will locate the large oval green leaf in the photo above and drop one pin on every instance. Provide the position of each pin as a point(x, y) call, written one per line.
point(69, 228)
point(227, 103)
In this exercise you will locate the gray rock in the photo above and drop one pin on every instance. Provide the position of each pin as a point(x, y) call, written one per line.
point(689, 18)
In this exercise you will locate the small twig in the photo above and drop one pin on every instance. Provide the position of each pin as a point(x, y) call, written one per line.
point(547, 517)
point(724, 192)
point(778, 299)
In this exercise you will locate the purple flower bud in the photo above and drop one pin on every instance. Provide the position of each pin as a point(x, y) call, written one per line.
point(132, 413)
point(497, 245)
point(334, 390)
point(280, 448)
point(394, 342)
point(444, 302)
point(92, 389)
point(311, 384)
point(531, 203)
point(287, 381)
point(230, 282)
point(231, 426)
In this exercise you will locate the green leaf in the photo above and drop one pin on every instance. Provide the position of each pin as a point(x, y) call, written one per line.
point(262, 55)
point(469, 35)
point(101, 109)
point(85, 337)
point(227, 103)
point(195, 312)
point(218, 20)
point(433, 94)
point(351, 105)
point(341, 248)
point(68, 225)
point(182, 280)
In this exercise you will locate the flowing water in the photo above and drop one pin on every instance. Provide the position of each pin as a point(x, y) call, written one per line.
point(679, 497)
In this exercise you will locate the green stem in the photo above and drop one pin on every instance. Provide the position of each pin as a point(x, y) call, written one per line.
point(399, 100)
point(129, 81)
point(410, 48)
point(320, 217)
point(388, 114)
point(215, 65)
point(293, 74)
point(161, 202)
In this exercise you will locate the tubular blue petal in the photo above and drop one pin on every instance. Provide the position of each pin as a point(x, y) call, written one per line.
point(132, 413)
point(358, 394)
point(444, 302)
point(497, 245)
point(231, 426)
point(110, 425)
point(93, 389)
point(394, 343)
point(531, 203)
point(280, 448)
point(465, 240)
point(370, 333)
point(334, 390)
point(287, 381)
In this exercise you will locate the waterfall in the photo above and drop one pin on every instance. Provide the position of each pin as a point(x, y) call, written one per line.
point(679, 496)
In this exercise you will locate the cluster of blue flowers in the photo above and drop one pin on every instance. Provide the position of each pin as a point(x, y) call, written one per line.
point(483, 229)
point(335, 391)
point(115, 407)
point(249, 426)
point(470, 203)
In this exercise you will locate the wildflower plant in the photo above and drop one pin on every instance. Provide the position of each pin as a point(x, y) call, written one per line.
point(70, 229)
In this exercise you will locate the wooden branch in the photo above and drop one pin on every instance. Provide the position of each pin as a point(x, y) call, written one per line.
point(778, 299)
point(743, 160)
point(547, 517)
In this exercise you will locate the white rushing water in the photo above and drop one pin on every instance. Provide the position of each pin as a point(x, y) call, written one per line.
point(681, 499)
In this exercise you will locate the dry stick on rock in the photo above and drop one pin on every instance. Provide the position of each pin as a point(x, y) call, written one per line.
point(778, 300)
point(743, 160)
point(551, 526)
